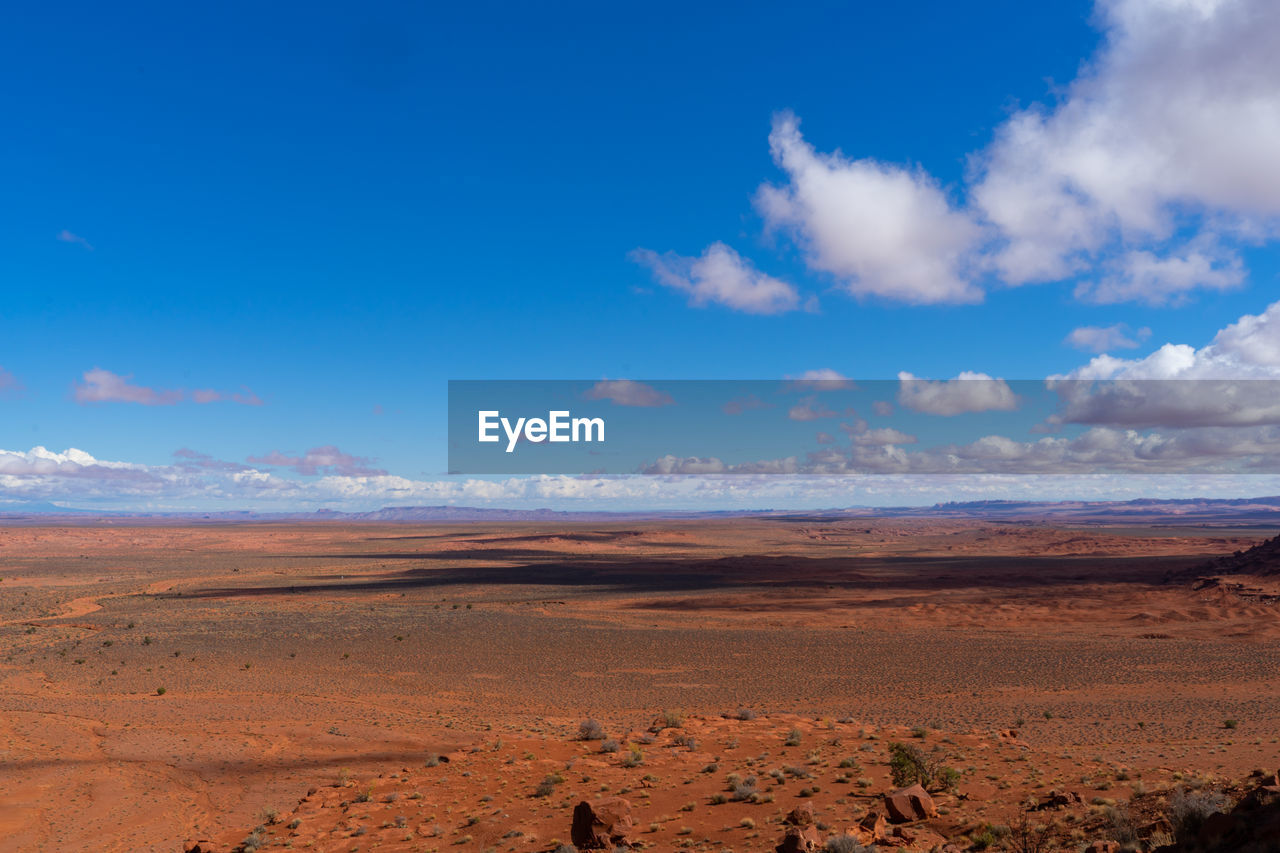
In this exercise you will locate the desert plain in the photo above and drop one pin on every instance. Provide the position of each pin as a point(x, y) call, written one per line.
point(325, 686)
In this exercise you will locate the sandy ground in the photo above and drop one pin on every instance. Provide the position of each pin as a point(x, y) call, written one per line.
point(302, 657)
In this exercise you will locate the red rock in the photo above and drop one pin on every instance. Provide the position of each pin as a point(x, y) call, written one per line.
point(874, 826)
point(800, 839)
point(1059, 799)
point(909, 804)
point(1103, 847)
point(801, 815)
point(602, 825)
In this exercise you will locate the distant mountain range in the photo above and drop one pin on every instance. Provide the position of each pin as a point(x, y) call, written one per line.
point(1237, 511)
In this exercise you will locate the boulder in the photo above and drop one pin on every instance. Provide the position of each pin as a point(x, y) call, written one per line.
point(1059, 799)
point(801, 815)
point(909, 804)
point(800, 839)
point(602, 825)
point(873, 828)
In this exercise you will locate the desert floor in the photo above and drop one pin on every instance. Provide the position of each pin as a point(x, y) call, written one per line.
point(164, 683)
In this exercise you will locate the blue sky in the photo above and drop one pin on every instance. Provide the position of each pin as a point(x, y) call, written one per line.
point(331, 211)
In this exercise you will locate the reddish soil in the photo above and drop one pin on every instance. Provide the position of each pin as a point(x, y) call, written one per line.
point(297, 657)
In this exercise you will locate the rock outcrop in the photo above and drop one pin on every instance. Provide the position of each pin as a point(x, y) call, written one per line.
point(602, 825)
point(909, 804)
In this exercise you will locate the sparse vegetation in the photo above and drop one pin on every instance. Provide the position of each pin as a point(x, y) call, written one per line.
point(908, 765)
point(590, 730)
point(1188, 809)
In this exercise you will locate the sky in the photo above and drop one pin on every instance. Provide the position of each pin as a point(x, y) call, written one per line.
point(244, 249)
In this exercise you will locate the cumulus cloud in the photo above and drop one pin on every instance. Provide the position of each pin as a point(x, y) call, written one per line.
point(1173, 126)
point(628, 392)
point(1247, 349)
point(879, 229)
point(1141, 183)
point(327, 460)
point(721, 276)
point(1234, 380)
point(1099, 339)
point(968, 392)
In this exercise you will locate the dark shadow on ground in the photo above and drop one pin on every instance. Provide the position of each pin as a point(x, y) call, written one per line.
point(517, 567)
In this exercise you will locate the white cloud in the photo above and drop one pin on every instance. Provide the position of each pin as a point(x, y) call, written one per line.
point(628, 392)
point(103, 386)
point(1173, 125)
point(1234, 380)
point(1142, 276)
point(721, 276)
point(968, 392)
point(880, 229)
point(78, 479)
point(1102, 338)
point(1142, 182)
point(821, 379)
point(882, 437)
point(65, 236)
point(1247, 349)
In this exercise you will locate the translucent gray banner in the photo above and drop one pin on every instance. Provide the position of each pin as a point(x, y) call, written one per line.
point(909, 425)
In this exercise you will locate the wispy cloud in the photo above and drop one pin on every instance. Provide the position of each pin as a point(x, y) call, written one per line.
point(327, 460)
point(1099, 339)
point(627, 392)
point(811, 409)
point(821, 379)
point(9, 384)
point(722, 277)
point(65, 236)
point(193, 460)
point(745, 403)
point(103, 386)
point(244, 397)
